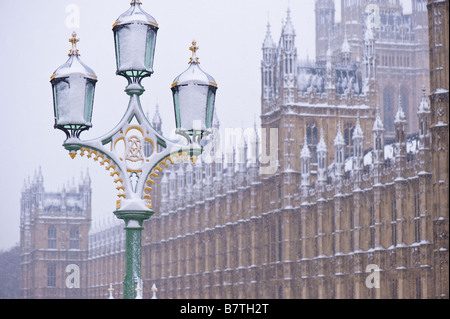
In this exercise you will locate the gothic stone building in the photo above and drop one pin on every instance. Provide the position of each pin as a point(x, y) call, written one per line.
point(400, 54)
point(54, 228)
point(346, 195)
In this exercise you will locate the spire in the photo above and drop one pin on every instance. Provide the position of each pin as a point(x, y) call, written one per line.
point(424, 107)
point(157, 116)
point(357, 132)
point(305, 157)
point(339, 139)
point(400, 116)
point(400, 140)
point(358, 155)
point(345, 45)
point(39, 177)
point(322, 146)
point(378, 123)
point(288, 28)
point(321, 162)
point(156, 121)
point(329, 53)
point(268, 42)
point(305, 153)
point(87, 177)
point(345, 49)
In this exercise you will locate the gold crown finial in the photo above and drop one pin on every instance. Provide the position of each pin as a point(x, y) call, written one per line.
point(74, 41)
point(194, 48)
point(135, 1)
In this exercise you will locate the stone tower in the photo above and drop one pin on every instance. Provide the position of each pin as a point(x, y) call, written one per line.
point(438, 21)
point(54, 231)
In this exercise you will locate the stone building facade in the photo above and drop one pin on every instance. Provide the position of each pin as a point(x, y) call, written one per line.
point(343, 199)
point(400, 48)
point(54, 228)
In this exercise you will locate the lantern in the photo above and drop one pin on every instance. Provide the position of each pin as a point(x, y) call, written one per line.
point(135, 39)
point(194, 93)
point(73, 86)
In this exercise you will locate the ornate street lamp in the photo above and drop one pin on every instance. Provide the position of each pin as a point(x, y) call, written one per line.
point(133, 152)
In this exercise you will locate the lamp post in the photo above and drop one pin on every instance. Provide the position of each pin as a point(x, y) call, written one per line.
point(130, 150)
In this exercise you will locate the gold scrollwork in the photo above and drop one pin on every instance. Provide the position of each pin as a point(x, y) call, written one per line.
point(159, 168)
point(112, 169)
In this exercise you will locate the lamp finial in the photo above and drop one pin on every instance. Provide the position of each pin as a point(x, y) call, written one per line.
point(194, 48)
point(74, 40)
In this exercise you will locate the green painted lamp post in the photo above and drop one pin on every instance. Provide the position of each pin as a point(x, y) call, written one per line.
point(133, 152)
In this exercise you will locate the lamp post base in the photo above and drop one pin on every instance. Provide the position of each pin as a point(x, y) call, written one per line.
point(133, 228)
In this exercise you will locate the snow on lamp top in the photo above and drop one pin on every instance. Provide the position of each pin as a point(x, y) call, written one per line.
point(74, 64)
point(194, 74)
point(135, 14)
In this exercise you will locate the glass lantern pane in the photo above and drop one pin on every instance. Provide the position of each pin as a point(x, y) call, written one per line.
point(55, 107)
point(176, 105)
point(149, 53)
point(210, 108)
point(61, 95)
point(116, 38)
point(89, 101)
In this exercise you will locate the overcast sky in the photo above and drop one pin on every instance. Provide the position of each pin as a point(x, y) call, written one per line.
point(34, 42)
